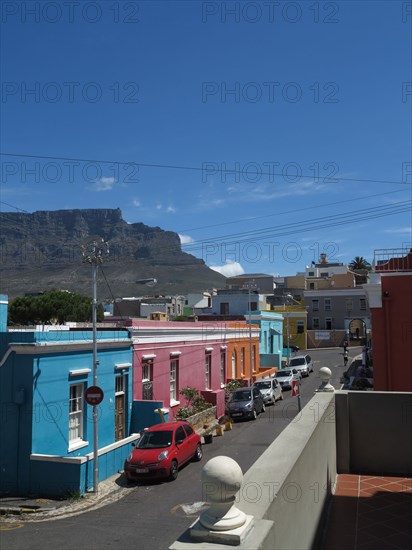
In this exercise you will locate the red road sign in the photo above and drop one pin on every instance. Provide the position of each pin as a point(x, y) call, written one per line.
point(93, 395)
point(295, 388)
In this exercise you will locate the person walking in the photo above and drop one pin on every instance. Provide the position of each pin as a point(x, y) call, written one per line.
point(345, 357)
point(345, 345)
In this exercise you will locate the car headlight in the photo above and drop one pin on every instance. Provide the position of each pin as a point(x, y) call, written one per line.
point(162, 455)
point(249, 406)
point(129, 458)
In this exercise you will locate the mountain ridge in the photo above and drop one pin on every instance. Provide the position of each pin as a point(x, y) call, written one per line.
point(43, 250)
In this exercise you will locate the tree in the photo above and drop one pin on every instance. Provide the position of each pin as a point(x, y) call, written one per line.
point(359, 262)
point(53, 307)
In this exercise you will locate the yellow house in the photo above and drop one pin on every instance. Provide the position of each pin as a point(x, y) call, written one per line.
point(294, 324)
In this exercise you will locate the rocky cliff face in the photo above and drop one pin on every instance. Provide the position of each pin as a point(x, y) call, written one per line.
point(43, 250)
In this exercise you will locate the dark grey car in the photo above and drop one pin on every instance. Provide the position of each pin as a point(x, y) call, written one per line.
point(245, 403)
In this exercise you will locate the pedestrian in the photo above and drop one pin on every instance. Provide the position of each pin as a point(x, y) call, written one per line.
point(345, 357)
point(345, 345)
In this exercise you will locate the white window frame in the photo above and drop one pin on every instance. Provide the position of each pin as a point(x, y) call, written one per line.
point(315, 321)
point(328, 304)
point(242, 361)
point(173, 374)
point(222, 368)
point(76, 414)
point(147, 369)
point(362, 304)
point(208, 369)
point(315, 305)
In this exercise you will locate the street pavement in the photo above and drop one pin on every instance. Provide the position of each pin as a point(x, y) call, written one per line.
point(153, 515)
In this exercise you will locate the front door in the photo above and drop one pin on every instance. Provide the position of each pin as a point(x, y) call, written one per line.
point(120, 408)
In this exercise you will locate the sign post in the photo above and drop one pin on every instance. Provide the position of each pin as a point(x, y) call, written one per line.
point(296, 392)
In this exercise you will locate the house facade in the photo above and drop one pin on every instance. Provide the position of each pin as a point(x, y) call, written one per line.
point(334, 315)
point(294, 324)
point(271, 337)
point(46, 426)
point(170, 356)
point(390, 300)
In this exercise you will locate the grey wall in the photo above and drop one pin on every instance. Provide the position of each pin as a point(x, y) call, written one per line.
point(374, 432)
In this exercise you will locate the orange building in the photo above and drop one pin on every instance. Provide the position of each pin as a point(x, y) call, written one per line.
point(240, 354)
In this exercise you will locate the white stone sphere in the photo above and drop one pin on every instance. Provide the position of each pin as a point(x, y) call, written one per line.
point(223, 477)
point(325, 374)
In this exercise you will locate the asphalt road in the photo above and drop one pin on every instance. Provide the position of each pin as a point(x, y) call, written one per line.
point(153, 516)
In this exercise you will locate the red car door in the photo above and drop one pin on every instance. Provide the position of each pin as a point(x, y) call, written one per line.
point(182, 445)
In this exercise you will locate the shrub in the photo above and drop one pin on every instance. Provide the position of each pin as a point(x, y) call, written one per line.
point(194, 403)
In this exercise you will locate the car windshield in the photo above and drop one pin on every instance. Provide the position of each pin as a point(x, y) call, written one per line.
point(283, 373)
point(241, 396)
point(297, 361)
point(155, 440)
point(263, 385)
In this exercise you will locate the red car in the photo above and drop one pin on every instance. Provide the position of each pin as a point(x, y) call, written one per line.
point(161, 451)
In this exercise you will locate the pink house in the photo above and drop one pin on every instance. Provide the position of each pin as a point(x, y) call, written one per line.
point(169, 356)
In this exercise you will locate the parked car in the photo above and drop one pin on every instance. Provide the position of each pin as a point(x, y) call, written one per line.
point(245, 403)
point(286, 377)
point(162, 450)
point(270, 389)
point(302, 363)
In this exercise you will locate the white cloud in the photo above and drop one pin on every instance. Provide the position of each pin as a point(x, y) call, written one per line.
point(158, 206)
point(171, 209)
point(104, 184)
point(185, 239)
point(136, 203)
point(229, 269)
point(400, 230)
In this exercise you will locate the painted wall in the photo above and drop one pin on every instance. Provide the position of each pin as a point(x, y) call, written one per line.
point(392, 334)
point(271, 332)
point(189, 343)
point(238, 353)
point(35, 384)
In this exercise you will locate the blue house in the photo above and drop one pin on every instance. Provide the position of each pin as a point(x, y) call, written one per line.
point(271, 336)
point(46, 427)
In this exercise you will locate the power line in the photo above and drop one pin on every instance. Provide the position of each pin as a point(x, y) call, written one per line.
point(277, 214)
point(194, 168)
point(354, 215)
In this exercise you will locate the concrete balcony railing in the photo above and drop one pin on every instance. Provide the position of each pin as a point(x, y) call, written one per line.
point(283, 498)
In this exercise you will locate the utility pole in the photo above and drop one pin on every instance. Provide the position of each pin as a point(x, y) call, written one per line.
point(249, 285)
point(93, 252)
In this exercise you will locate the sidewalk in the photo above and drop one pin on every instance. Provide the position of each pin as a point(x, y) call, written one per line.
point(14, 508)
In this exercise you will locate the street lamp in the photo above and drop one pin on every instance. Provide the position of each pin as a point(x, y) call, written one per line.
point(288, 297)
point(249, 285)
point(93, 253)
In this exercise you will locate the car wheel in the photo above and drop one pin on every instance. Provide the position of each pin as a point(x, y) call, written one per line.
point(174, 470)
point(254, 413)
point(263, 407)
point(199, 453)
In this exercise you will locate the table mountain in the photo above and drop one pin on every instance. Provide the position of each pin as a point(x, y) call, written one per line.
point(43, 250)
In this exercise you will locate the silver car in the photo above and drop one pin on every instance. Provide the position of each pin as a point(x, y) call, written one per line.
point(302, 363)
point(286, 377)
point(270, 389)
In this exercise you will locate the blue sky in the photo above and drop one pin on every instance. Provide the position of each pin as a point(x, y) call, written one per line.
point(266, 132)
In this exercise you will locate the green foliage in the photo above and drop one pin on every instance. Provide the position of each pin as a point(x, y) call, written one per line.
point(194, 403)
point(359, 262)
point(53, 307)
